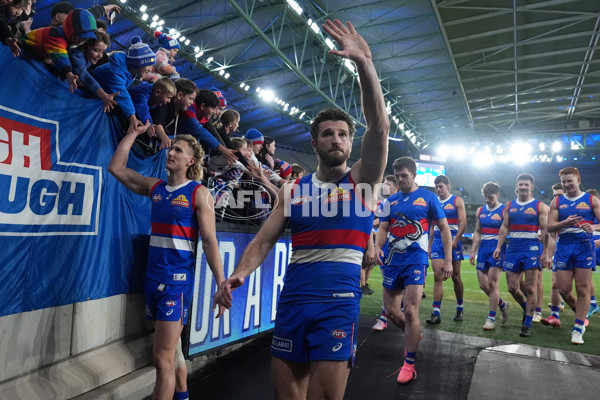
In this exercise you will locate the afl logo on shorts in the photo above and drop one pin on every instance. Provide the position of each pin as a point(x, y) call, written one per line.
point(156, 198)
point(171, 303)
point(338, 333)
point(416, 272)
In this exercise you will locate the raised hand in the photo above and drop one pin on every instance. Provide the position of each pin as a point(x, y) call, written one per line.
point(354, 47)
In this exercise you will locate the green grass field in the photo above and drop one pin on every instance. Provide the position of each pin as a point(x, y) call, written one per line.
point(476, 310)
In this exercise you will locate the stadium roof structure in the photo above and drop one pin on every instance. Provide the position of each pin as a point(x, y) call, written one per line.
point(451, 70)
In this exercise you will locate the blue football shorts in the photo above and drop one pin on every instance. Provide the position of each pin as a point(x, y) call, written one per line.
point(316, 331)
point(167, 302)
point(574, 255)
point(518, 262)
point(401, 276)
point(437, 251)
point(486, 260)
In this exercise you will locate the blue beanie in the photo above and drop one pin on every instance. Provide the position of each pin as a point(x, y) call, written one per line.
point(139, 54)
point(255, 136)
point(166, 42)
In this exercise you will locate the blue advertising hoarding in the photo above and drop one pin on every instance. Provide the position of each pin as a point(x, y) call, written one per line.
point(254, 304)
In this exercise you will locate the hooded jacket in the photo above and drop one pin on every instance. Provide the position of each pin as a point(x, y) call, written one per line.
point(53, 41)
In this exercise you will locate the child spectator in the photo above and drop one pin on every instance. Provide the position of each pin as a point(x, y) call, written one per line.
point(83, 57)
point(51, 43)
point(167, 116)
point(61, 9)
point(146, 96)
point(9, 11)
point(257, 139)
point(204, 106)
point(165, 57)
point(283, 168)
point(297, 172)
point(116, 76)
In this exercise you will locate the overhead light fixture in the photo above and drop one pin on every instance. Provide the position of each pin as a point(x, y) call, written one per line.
point(267, 95)
point(153, 24)
point(145, 17)
point(187, 42)
point(182, 39)
point(155, 18)
point(143, 8)
point(556, 146)
point(209, 59)
point(227, 75)
point(221, 72)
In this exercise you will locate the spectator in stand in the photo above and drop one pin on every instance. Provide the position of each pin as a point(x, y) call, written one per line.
point(193, 119)
point(22, 24)
point(51, 43)
point(167, 116)
point(229, 123)
point(62, 9)
point(10, 11)
point(257, 140)
point(297, 172)
point(283, 168)
point(165, 57)
point(119, 73)
point(82, 57)
point(266, 155)
point(145, 97)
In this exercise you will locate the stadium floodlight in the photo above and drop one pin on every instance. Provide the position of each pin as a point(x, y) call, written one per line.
point(145, 17)
point(143, 8)
point(483, 159)
point(159, 28)
point(520, 150)
point(460, 152)
point(187, 42)
point(302, 115)
point(209, 59)
point(559, 158)
point(182, 39)
point(503, 158)
point(556, 146)
point(172, 31)
point(161, 22)
point(329, 43)
point(153, 24)
point(155, 18)
point(443, 151)
point(542, 146)
point(123, 1)
point(227, 75)
point(221, 72)
point(401, 125)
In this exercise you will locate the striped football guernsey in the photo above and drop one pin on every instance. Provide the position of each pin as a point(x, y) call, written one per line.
point(330, 226)
point(171, 257)
point(582, 206)
point(524, 225)
point(490, 222)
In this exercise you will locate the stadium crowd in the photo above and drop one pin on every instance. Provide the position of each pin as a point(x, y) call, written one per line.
point(140, 86)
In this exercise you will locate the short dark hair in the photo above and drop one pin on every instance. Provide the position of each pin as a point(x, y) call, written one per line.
point(525, 177)
point(101, 25)
point(331, 114)
point(390, 178)
point(441, 179)
point(297, 169)
point(62, 7)
point(490, 188)
point(207, 97)
point(185, 86)
point(558, 186)
point(405, 162)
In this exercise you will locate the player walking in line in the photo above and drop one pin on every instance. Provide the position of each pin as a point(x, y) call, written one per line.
point(405, 221)
point(523, 218)
point(572, 216)
point(454, 208)
point(485, 240)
